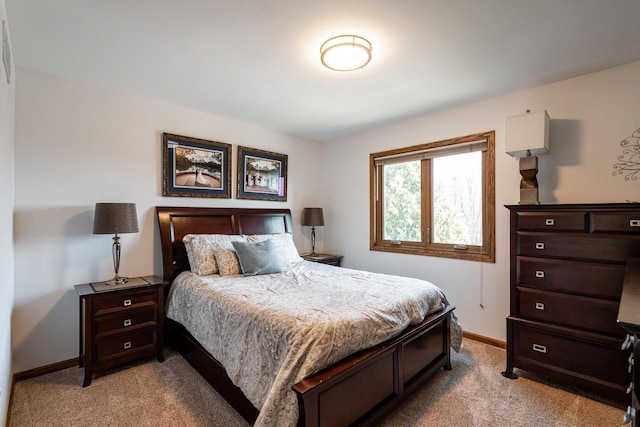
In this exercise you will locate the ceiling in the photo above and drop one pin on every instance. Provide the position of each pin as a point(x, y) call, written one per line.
point(258, 60)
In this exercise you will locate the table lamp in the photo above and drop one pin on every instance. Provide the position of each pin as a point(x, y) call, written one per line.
point(115, 218)
point(527, 135)
point(312, 217)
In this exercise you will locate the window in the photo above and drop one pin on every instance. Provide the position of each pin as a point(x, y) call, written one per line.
point(435, 199)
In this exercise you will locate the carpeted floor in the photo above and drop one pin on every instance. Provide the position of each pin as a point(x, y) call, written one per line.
point(173, 394)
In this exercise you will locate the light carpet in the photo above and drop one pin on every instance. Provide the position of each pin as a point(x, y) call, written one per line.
point(173, 394)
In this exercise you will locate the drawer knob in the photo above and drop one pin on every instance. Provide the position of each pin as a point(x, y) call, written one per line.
point(127, 345)
point(549, 221)
point(629, 415)
point(539, 273)
point(630, 388)
point(631, 363)
point(634, 223)
point(127, 322)
point(540, 348)
point(127, 302)
point(628, 342)
point(539, 245)
point(540, 306)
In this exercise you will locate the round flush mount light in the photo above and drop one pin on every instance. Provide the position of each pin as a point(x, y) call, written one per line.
point(345, 53)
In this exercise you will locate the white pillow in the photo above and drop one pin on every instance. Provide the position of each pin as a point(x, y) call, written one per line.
point(285, 248)
point(201, 247)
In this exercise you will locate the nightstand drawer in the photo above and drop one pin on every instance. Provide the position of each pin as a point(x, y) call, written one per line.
point(126, 344)
point(552, 221)
point(569, 355)
point(125, 301)
point(127, 321)
point(581, 278)
point(588, 313)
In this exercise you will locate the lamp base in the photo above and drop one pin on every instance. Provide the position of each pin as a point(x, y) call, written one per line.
point(117, 280)
point(529, 182)
point(529, 196)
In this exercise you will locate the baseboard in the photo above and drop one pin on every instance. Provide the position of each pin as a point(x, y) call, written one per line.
point(43, 370)
point(485, 340)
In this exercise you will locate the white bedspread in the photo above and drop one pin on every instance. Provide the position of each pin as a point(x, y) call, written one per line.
point(271, 331)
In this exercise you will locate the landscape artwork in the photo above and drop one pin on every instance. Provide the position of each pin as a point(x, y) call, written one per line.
point(196, 167)
point(262, 175)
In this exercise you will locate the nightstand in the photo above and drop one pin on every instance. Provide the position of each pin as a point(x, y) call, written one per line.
point(324, 259)
point(120, 323)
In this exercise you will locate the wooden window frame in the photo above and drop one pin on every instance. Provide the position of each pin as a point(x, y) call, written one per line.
point(484, 252)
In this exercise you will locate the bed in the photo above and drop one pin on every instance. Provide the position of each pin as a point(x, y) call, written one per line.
point(358, 389)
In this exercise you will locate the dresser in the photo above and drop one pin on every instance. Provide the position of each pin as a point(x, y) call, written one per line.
point(120, 324)
point(567, 268)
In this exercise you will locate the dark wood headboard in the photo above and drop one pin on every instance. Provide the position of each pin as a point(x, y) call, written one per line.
point(177, 222)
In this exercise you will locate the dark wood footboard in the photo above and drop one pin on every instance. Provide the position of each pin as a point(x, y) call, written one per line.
point(355, 391)
point(363, 387)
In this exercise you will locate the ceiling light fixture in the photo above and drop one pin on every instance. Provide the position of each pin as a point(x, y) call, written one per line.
point(345, 53)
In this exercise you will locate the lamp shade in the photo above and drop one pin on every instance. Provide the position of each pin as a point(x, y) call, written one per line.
point(527, 133)
point(312, 217)
point(115, 218)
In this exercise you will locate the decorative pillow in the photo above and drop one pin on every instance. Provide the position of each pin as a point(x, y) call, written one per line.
point(227, 262)
point(257, 258)
point(200, 249)
point(285, 248)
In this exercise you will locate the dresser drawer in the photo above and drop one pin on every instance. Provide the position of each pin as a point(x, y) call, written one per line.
point(126, 301)
point(582, 278)
point(552, 221)
point(615, 222)
point(586, 247)
point(123, 322)
point(588, 313)
point(587, 360)
point(124, 345)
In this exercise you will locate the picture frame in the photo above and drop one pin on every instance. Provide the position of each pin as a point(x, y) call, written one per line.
point(194, 167)
point(262, 175)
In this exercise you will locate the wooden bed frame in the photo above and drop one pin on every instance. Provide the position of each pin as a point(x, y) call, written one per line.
point(356, 391)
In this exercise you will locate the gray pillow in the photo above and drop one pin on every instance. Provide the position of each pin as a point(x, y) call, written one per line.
point(257, 258)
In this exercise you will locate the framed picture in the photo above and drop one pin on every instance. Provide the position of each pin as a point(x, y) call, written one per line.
point(195, 167)
point(262, 175)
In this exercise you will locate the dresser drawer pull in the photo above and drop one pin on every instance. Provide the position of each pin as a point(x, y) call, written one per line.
point(628, 342)
point(539, 273)
point(127, 302)
point(630, 388)
point(549, 221)
point(127, 322)
point(540, 348)
point(540, 306)
point(634, 223)
point(539, 245)
point(631, 362)
point(127, 345)
point(629, 415)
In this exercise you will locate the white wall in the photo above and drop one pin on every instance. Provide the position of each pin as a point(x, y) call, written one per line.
point(590, 116)
point(77, 145)
point(7, 93)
